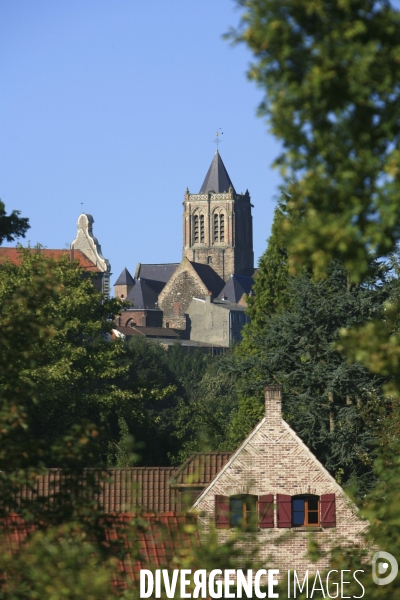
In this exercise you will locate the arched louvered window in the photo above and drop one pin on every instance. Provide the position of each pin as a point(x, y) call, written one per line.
point(196, 229)
point(202, 229)
point(221, 228)
point(216, 228)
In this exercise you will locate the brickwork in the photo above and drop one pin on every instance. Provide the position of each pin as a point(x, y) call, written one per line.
point(227, 248)
point(142, 318)
point(178, 294)
point(121, 291)
point(273, 460)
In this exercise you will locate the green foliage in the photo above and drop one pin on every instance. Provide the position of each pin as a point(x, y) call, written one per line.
point(60, 563)
point(272, 278)
point(11, 226)
point(202, 424)
point(326, 400)
point(331, 76)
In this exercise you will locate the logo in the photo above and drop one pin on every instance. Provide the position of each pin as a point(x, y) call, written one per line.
point(380, 566)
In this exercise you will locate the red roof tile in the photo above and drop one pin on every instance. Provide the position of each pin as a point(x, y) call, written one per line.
point(200, 468)
point(158, 538)
point(14, 256)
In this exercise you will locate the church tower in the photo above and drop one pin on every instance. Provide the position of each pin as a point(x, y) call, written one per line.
point(217, 224)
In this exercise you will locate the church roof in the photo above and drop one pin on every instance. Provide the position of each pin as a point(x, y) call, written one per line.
point(144, 293)
point(125, 278)
point(235, 287)
point(217, 178)
point(156, 272)
point(213, 282)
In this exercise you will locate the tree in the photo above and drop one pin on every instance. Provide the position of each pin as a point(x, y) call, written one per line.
point(11, 226)
point(272, 278)
point(331, 76)
point(326, 400)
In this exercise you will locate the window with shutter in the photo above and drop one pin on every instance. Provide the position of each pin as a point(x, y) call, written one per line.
point(305, 510)
point(243, 511)
point(222, 512)
point(284, 510)
point(266, 511)
point(328, 510)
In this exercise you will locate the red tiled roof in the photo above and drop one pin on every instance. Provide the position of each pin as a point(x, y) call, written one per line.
point(158, 538)
point(200, 468)
point(155, 489)
point(126, 489)
point(14, 256)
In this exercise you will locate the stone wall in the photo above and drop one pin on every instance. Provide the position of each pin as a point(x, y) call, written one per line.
point(178, 294)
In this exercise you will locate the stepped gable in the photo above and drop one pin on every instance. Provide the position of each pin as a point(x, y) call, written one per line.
point(235, 288)
point(144, 293)
point(217, 179)
point(125, 278)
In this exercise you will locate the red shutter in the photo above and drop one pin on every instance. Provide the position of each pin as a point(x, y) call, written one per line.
point(266, 511)
point(328, 510)
point(284, 503)
point(222, 512)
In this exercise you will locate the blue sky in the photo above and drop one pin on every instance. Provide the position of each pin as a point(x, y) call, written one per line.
point(115, 103)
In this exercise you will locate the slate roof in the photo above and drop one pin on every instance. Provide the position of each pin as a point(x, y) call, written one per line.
point(235, 287)
point(156, 272)
point(213, 282)
point(217, 178)
point(125, 278)
point(144, 293)
point(14, 256)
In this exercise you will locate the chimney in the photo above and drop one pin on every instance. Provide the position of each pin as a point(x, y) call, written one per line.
point(273, 405)
point(209, 298)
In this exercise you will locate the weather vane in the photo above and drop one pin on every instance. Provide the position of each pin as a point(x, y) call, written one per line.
point(217, 139)
point(81, 206)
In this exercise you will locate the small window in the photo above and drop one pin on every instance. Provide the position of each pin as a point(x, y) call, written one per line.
point(209, 260)
point(243, 511)
point(216, 231)
point(196, 228)
point(221, 228)
point(305, 511)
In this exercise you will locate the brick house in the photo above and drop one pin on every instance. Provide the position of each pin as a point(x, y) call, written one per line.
point(275, 485)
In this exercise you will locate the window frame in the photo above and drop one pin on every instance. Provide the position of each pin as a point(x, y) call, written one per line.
point(249, 505)
point(306, 510)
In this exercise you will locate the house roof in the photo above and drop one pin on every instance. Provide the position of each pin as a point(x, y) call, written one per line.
point(200, 468)
point(155, 272)
point(125, 278)
point(144, 293)
point(157, 538)
point(151, 488)
point(213, 282)
point(217, 178)
point(14, 256)
point(235, 287)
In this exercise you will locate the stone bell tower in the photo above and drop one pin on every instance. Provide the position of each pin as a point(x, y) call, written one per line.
point(217, 224)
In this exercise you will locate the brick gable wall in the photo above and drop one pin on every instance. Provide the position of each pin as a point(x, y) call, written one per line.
point(273, 460)
point(178, 294)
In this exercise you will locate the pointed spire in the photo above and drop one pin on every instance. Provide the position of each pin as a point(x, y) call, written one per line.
point(217, 178)
point(125, 278)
